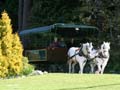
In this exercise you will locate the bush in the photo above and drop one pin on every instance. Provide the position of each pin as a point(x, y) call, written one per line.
point(27, 68)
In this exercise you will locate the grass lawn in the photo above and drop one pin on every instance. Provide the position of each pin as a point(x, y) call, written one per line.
point(63, 81)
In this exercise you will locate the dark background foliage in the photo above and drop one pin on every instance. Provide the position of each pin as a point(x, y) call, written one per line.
point(101, 13)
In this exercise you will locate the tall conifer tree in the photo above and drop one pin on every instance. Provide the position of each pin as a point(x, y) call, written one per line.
point(10, 49)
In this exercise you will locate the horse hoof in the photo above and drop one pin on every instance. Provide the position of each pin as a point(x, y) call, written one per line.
point(96, 72)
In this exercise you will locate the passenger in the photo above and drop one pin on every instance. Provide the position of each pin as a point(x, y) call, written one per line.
point(62, 43)
point(55, 43)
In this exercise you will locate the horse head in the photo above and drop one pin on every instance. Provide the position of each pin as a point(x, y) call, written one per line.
point(87, 49)
point(105, 47)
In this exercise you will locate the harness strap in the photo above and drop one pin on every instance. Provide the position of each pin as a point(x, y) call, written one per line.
point(80, 53)
point(101, 55)
point(73, 55)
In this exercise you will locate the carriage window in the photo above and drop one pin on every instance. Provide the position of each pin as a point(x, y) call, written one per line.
point(42, 54)
point(36, 55)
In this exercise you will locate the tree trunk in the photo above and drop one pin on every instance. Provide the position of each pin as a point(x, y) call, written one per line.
point(20, 15)
point(26, 12)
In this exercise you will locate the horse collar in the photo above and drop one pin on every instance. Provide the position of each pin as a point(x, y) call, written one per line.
point(81, 53)
point(102, 56)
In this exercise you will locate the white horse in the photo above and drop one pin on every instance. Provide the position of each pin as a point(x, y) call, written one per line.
point(100, 58)
point(79, 55)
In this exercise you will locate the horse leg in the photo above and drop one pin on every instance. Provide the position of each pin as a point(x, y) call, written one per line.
point(92, 67)
point(70, 63)
point(81, 65)
point(99, 69)
point(73, 67)
point(103, 67)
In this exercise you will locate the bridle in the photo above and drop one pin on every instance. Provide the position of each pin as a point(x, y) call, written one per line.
point(101, 55)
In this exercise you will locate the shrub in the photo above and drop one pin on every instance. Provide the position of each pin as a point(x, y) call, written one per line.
point(27, 68)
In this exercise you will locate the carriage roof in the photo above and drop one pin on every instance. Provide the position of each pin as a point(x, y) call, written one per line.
point(57, 25)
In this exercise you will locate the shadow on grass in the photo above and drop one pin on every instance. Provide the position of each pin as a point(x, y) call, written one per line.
point(91, 86)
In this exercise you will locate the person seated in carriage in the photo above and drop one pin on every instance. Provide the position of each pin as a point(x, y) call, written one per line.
point(58, 43)
point(55, 43)
point(62, 43)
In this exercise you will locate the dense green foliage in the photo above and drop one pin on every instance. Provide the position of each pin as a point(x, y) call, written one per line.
point(27, 68)
point(45, 12)
point(75, 11)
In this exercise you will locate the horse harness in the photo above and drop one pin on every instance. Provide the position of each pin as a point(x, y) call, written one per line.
point(100, 55)
point(80, 53)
